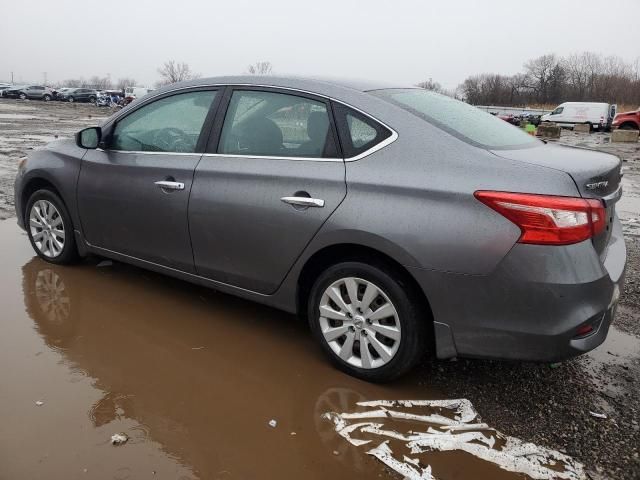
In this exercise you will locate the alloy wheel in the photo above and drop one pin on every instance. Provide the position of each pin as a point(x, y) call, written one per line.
point(47, 228)
point(360, 323)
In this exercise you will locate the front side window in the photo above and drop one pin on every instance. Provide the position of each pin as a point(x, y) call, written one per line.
point(557, 111)
point(277, 125)
point(460, 119)
point(171, 124)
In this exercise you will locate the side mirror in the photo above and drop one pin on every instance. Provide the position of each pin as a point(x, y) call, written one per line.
point(89, 137)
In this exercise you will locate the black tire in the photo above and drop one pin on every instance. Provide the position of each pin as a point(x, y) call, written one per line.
point(69, 253)
point(414, 320)
point(22, 96)
point(92, 99)
point(628, 126)
point(70, 99)
point(46, 98)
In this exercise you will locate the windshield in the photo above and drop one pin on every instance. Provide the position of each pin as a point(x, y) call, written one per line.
point(458, 118)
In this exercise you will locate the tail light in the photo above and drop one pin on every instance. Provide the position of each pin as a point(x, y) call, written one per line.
point(548, 220)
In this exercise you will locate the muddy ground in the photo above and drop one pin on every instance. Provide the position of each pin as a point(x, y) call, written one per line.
point(194, 377)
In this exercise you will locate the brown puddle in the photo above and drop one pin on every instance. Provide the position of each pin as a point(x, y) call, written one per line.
point(191, 375)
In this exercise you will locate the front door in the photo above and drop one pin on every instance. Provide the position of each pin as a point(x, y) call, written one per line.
point(275, 179)
point(133, 194)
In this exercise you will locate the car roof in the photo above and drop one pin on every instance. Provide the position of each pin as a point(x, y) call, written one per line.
point(322, 85)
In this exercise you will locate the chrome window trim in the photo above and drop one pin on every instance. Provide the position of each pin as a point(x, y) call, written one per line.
point(274, 157)
point(141, 152)
point(378, 146)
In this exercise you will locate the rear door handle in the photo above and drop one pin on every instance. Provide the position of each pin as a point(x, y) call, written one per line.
point(303, 201)
point(167, 185)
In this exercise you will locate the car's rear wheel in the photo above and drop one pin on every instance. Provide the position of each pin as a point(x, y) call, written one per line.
point(368, 320)
point(50, 229)
point(46, 98)
point(70, 99)
point(22, 96)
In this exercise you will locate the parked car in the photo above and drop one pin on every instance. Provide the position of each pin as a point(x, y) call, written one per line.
point(3, 87)
point(627, 120)
point(79, 95)
point(399, 221)
point(60, 92)
point(23, 92)
point(598, 116)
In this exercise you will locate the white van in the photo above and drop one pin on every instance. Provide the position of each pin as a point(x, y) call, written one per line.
point(568, 114)
point(136, 92)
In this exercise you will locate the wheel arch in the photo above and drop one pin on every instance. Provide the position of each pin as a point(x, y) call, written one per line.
point(629, 123)
point(33, 185)
point(342, 252)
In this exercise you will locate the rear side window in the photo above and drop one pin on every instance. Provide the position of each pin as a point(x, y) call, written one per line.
point(276, 125)
point(358, 133)
point(171, 124)
point(460, 119)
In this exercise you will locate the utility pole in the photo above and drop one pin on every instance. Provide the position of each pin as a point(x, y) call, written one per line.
point(44, 74)
point(11, 78)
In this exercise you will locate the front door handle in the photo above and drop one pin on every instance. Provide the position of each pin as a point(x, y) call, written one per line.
point(303, 201)
point(168, 185)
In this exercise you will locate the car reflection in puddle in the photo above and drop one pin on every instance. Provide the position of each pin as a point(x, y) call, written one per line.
point(201, 374)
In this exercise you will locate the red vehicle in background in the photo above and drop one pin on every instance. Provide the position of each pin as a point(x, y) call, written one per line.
point(627, 120)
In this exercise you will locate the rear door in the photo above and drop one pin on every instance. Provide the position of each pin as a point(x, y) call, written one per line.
point(133, 193)
point(272, 178)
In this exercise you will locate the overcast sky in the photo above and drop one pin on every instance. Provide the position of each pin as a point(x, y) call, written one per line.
point(394, 40)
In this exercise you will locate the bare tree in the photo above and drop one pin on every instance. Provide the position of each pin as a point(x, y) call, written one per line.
point(172, 72)
point(431, 85)
point(125, 82)
point(99, 83)
point(543, 74)
point(72, 82)
point(260, 68)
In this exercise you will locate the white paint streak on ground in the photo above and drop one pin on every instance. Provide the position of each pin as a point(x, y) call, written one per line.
point(409, 468)
point(464, 432)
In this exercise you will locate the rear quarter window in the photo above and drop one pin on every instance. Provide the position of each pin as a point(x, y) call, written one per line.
point(358, 133)
point(460, 119)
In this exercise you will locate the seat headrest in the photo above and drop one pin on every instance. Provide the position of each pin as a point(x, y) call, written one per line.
point(318, 126)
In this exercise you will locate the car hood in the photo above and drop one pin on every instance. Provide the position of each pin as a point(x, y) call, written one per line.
point(595, 173)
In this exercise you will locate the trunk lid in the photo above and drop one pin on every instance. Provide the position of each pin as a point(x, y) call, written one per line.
point(596, 174)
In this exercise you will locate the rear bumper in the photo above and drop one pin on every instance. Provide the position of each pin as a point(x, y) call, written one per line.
point(531, 306)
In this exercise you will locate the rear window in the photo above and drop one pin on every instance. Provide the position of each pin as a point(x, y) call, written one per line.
point(458, 118)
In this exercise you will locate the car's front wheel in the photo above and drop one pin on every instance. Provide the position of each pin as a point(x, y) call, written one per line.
point(46, 98)
point(22, 96)
point(70, 99)
point(368, 320)
point(49, 228)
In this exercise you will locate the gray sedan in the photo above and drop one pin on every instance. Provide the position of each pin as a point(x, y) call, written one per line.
point(397, 220)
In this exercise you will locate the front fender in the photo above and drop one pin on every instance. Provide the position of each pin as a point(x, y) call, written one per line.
point(57, 164)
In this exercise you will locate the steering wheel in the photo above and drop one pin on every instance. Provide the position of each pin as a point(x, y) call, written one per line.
point(172, 139)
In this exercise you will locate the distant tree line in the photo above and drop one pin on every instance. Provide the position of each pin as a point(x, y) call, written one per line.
point(551, 79)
